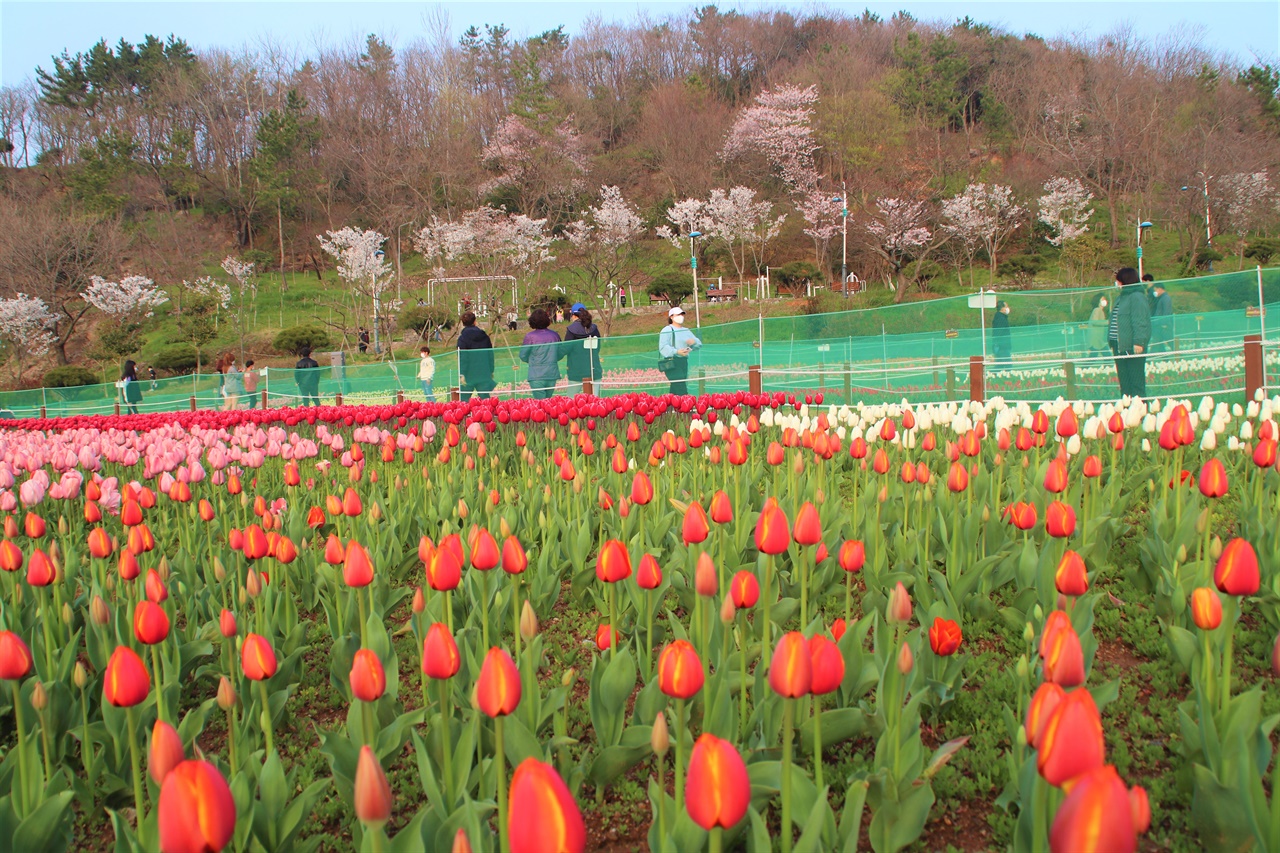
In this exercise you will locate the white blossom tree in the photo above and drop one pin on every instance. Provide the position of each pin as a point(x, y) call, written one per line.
point(361, 264)
point(778, 125)
point(982, 215)
point(899, 228)
point(485, 241)
point(822, 214)
point(605, 241)
point(743, 224)
point(1247, 200)
point(1064, 207)
point(26, 329)
point(132, 297)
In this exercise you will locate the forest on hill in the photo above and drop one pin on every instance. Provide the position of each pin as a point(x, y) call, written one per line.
point(938, 149)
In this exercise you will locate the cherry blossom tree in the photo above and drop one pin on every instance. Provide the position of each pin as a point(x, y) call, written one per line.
point(1246, 202)
point(743, 224)
point(984, 215)
point(132, 297)
point(605, 241)
point(26, 329)
point(899, 227)
point(1064, 207)
point(544, 170)
point(361, 264)
point(778, 125)
point(822, 214)
point(685, 217)
point(485, 241)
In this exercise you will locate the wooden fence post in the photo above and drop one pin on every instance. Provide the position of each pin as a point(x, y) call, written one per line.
point(754, 384)
point(977, 386)
point(454, 395)
point(587, 387)
point(264, 398)
point(193, 402)
point(1070, 369)
point(337, 399)
point(1254, 369)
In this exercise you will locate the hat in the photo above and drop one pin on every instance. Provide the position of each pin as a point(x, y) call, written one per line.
point(576, 307)
point(675, 312)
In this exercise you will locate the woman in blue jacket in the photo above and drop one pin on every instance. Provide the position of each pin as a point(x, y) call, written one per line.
point(675, 342)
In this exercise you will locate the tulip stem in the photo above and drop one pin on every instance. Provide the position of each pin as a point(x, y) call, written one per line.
point(1206, 668)
point(231, 738)
point(266, 718)
point(484, 608)
point(44, 744)
point(613, 621)
point(364, 618)
point(803, 570)
point(48, 640)
point(23, 772)
point(679, 756)
point(717, 839)
point(86, 748)
point(848, 599)
point(448, 610)
point(367, 715)
point(446, 744)
point(138, 801)
point(788, 723)
point(159, 675)
point(648, 633)
point(662, 801)
point(742, 686)
point(515, 614)
point(1232, 613)
point(817, 742)
point(1040, 815)
point(767, 597)
point(503, 838)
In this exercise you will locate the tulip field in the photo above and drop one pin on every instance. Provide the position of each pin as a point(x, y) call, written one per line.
point(737, 622)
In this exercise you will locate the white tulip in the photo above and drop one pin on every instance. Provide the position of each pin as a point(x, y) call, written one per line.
point(1209, 441)
point(1246, 430)
point(1233, 443)
point(1073, 445)
point(1146, 445)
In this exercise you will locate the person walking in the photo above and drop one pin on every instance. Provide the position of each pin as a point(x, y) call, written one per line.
point(129, 387)
point(1099, 325)
point(475, 360)
point(426, 372)
point(250, 384)
point(1131, 315)
point(232, 386)
point(306, 375)
point(1161, 318)
point(1001, 338)
point(363, 339)
point(152, 370)
point(675, 342)
point(583, 360)
point(541, 350)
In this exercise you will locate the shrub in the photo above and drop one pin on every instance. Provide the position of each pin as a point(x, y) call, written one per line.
point(1022, 268)
point(795, 274)
point(261, 260)
point(294, 338)
point(1262, 249)
point(70, 376)
point(424, 319)
point(176, 358)
point(671, 287)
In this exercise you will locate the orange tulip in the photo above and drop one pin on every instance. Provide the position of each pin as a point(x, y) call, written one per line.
point(1096, 816)
point(680, 674)
point(1140, 808)
point(34, 526)
point(1068, 425)
point(155, 588)
point(944, 637)
point(334, 553)
point(721, 508)
point(1264, 454)
point(125, 682)
point(1213, 479)
point(744, 589)
point(695, 528)
point(368, 679)
point(1059, 520)
point(15, 657)
point(542, 816)
point(705, 579)
point(150, 623)
point(1043, 703)
point(641, 489)
point(444, 572)
point(285, 551)
point(1092, 466)
point(606, 638)
point(197, 813)
point(718, 790)
point(130, 513)
point(372, 791)
point(357, 568)
point(1063, 656)
point(257, 658)
point(1023, 515)
point(255, 542)
point(649, 575)
point(1071, 578)
point(1071, 742)
point(440, 658)
point(11, 556)
point(484, 551)
point(613, 563)
point(791, 669)
point(92, 515)
point(1206, 608)
point(498, 688)
point(227, 624)
point(205, 509)
point(773, 535)
point(826, 665)
point(808, 528)
point(514, 559)
point(165, 751)
point(351, 505)
point(40, 569)
point(957, 478)
point(853, 555)
point(1236, 572)
point(128, 566)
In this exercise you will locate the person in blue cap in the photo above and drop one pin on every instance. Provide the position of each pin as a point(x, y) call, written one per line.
point(583, 360)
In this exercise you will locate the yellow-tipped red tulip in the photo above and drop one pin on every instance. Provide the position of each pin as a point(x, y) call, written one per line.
point(1236, 572)
point(1206, 608)
point(808, 528)
point(1213, 479)
point(1071, 742)
point(791, 668)
point(498, 688)
point(357, 568)
point(484, 551)
point(773, 535)
point(196, 811)
point(543, 815)
point(695, 528)
point(719, 790)
point(1043, 703)
point(613, 564)
point(1096, 816)
point(1071, 578)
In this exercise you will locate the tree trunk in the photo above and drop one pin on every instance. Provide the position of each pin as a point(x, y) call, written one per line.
point(284, 284)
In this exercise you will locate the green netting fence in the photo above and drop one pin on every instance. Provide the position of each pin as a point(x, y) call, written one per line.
point(919, 350)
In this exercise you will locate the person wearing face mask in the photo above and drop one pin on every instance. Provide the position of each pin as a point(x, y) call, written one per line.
point(675, 342)
point(1132, 317)
point(1001, 338)
point(1099, 325)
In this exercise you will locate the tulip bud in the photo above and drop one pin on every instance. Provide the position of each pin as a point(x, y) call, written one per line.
point(66, 613)
point(660, 738)
point(1215, 548)
point(728, 611)
point(39, 698)
point(705, 582)
point(463, 512)
point(375, 512)
point(1202, 520)
point(63, 527)
point(460, 842)
point(505, 530)
point(568, 678)
point(899, 609)
point(219, 571)
point(528, 622)
point(242, 597)
point(1038, 613)
point(884, 494)
point(1181, 555)
point(1028, 633)
point(1022, 735)
point(253, 584)
point(79, 676)
point(1022, 668)
point(163, 569)
point(986, 514)
point(226, 694)
point(906, 659)
point(98, 611)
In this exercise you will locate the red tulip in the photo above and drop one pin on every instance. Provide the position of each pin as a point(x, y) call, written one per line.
point(1092, 466)
point(255, 542)
point(227, 624)
point(1059, 520)
point(773, 535)
point(1071, 578)
point(100, 544)
point(125, 682)
point(649, 575)
point(334, 553)
point(368, 679)
point(351, 505)
point(257, 658)
point(1023, 515)
point(484, 551)
point(1068, 425)
point(165, 751)
point(826, 665)
point(440, 658)
point(613, 563)
point(718, 790)
point(1043, 703)
point(791, 669)
point(957, 478)
point(808, 528)
point(130, 513)
point(150, 623)
point(444, 572)
point(1096, 816)
point(944, 637)
point(197, 813)
point(680, 674)
point(372, 791)
point(1055, 479)
point(695, 528)
point(1264, 453)
point(285, 551)
point(542, 816)
point(721, 508)
point(1063, 656)
point(641, 489)
point(1071, 742)
point(853, 555)
point(498, 689)
point(40, 569)
point(11, 556)
point(1213, 479)
point(606, 638)
point(206, 511)
point(15, 657)
point(514, 559)
point(1236, 572)
point(1206, 608)
point(128, 566)
point(838, 627)
point(744, 589)
point(1140, 808)
point(155, 588)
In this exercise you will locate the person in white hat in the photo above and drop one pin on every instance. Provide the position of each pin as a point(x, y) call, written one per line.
point(675, 342)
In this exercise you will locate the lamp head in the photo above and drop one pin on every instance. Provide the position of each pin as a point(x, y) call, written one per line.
point(695, 233)
point(1144, 225)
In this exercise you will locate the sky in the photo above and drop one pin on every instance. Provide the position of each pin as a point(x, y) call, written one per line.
point(31, 32)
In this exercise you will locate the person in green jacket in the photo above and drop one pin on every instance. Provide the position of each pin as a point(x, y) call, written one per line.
point(1099, 322)
point(1132, 315)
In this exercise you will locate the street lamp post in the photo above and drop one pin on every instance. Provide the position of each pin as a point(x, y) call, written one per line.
point(693, 262)
point(1142, 226)
point(844, 238)
point(373, 284)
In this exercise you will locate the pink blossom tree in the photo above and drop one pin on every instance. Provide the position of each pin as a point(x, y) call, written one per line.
point(26, 329)
point(605, 242)
point(1247, 200)
point(983, 215)
point(1064, 207)
point(778, 125)
point(743, 224)
point(543, 170)
point(900, 231)
point(485, 241)
point(822, 214)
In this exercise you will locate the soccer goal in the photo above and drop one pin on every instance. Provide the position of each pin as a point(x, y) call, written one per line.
point(486, 295)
